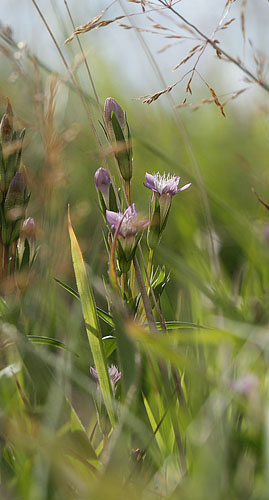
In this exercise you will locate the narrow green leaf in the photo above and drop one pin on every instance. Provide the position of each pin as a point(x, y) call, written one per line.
point(174, 325)
point(91, 321)
point(110, 345)
point(35, 339)
point(107, 318)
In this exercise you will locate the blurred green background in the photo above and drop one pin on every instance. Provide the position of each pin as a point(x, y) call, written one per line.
point(215, 245)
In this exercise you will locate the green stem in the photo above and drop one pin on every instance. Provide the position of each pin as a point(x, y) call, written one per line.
point(128, 191)
point(126, 286)
point(5, 260)
point(150, 262)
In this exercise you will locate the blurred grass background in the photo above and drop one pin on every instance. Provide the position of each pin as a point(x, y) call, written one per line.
point(224, 288)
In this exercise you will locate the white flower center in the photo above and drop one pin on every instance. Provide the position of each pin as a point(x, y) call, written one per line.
point(165, 181)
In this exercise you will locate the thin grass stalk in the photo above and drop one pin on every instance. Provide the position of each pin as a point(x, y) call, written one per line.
point(216, 46)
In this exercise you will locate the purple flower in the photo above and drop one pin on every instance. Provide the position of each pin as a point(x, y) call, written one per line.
point(162, 184)
point(102, 183)
point(113, 372)
point(131, 227)
point(164, 187)
point(130, 223)
point(246, 385)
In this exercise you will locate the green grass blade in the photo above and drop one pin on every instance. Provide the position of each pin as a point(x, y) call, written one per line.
point(36, 339)
point(91, 321)
point(107, 318)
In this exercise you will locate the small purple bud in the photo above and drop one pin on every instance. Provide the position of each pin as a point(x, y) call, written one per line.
point(15, 203)
point(29, 229)
point(111, 106)
point(28, 232)
point(119, 135)
point(102, 183)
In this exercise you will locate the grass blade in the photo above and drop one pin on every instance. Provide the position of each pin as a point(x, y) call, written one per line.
point(91, 321)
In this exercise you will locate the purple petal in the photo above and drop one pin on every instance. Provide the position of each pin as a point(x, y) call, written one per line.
point(185, 187)
point(130, 211)
point(113, 218)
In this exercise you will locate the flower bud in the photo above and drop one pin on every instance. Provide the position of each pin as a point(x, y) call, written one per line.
point(14, 209)
point(119, 133)
point(102, 184)
point(26, 243)
point(6, 125)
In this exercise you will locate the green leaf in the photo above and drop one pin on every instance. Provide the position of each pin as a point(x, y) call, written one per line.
point(91, 322)
point(110, 344)
point(107, 318)
point(174, 325)
point(36, 339)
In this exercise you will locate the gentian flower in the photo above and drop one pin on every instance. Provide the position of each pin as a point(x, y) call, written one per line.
point(164, 187)
point(119, 132)
point(131, 227)
point(162, 184)
point(113, 372)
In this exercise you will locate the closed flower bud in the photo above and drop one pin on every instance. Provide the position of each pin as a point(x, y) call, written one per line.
point(6, 125)
point(14, 209)
point(119, 134)
point(102, 184)
point(26, 242)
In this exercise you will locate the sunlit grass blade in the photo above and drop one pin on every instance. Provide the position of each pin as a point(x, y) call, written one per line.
point(174, 325)
point(91, 322)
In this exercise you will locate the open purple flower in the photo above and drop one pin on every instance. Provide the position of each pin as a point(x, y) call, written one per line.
point(164, 187)
point(131, 227)
point(162, 184)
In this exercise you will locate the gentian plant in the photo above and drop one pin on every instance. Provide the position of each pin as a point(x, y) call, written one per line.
point(136, 287)
point(17, 240)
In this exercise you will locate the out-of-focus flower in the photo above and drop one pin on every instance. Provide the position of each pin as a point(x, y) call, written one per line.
point(27, 234)
point(131, 227)
point(164, 187)
point(247, 385)
point(119, 132)
point(102, 184)
point(14, 208)
point(113, 372)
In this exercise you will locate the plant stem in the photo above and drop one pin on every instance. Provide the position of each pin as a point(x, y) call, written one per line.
point(150, 262)
point(216, 46)
point(128, 191)
point(5, 260)
point(125, 285)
